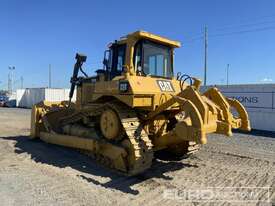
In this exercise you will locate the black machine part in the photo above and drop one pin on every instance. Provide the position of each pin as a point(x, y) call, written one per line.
point(80, 59)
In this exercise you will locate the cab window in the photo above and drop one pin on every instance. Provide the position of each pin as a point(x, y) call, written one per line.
point(153, 59)
point(120, 58)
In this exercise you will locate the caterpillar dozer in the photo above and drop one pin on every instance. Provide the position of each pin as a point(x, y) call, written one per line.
point(135, 106)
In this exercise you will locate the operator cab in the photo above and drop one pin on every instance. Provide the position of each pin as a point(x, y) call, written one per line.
point(151, 55)
point(149, 59)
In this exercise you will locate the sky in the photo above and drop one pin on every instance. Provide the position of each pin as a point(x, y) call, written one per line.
point(34, 34)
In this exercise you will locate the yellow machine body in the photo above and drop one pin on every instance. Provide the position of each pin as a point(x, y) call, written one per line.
point(136, 106)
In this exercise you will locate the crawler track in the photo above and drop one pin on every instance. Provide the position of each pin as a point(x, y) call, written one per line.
point(141, 146)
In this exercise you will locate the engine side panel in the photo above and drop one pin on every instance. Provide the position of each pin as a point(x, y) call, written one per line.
point(142, 92)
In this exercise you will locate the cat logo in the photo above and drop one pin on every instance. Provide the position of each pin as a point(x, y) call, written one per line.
point(165, 86)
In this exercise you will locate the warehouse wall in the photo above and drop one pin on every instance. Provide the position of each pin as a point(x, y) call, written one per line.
point(258, 99)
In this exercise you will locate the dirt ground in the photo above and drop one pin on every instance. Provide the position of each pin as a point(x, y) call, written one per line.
point(36, 173)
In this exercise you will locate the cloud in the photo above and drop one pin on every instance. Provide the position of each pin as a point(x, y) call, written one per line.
point(266, 80)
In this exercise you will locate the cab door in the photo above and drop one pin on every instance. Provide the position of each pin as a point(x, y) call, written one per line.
point(118, 60)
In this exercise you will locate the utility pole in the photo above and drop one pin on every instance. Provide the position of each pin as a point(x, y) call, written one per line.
point(205, 53)
point(10, 79)
point(50, 76)
point(22, 82)
point(227, 75)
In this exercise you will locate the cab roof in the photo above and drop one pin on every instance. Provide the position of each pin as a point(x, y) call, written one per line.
point(146, 35)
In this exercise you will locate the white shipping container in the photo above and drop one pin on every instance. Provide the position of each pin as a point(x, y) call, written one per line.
point(258, 99)
point(26, 98)
point(55, 95)
point(19, 95)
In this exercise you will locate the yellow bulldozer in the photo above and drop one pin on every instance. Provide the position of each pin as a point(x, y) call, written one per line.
point(135, 106)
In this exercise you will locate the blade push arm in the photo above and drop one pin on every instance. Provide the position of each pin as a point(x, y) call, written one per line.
point(80, 59)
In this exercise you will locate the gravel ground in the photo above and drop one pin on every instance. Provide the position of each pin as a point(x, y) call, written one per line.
point(36, 173)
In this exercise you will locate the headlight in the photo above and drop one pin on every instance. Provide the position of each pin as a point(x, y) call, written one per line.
point(123, 86)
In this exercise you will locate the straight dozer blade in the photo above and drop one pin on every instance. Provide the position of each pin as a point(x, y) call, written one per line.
point(39, 122)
